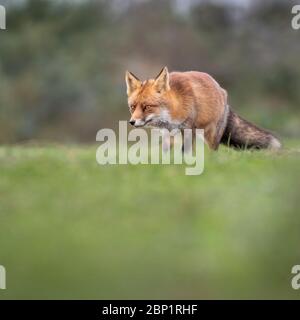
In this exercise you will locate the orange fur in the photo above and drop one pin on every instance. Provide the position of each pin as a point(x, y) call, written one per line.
point(192, 100)
point(191, 97)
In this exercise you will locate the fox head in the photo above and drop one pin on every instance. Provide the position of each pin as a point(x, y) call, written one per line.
point(148, 101)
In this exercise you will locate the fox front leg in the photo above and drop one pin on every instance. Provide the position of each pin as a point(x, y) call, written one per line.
point(167, 141)
point(188, 140)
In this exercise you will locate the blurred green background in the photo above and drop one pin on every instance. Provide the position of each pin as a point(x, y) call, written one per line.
point(62, 63)
point(70, 228)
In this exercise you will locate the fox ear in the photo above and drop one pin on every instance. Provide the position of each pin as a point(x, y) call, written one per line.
point(132, 82)
point(162, 80)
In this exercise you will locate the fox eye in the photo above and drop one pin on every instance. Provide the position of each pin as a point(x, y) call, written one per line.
point(132, 107)
point(147, 107)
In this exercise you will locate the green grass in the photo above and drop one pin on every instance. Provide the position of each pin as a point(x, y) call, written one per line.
point(70, 228)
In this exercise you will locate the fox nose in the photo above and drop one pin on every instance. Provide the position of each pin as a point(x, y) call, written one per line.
point(132, 122)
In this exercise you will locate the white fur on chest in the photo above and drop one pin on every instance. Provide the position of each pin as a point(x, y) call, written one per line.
point(165, 121)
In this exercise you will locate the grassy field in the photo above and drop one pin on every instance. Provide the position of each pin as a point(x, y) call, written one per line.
point(70, 228)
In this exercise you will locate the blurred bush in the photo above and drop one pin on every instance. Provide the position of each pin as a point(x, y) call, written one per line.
point(62, 63)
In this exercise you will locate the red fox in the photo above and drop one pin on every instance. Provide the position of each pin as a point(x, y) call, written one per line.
point(191, 100)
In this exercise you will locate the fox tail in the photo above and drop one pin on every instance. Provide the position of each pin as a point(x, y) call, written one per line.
point(242, 134)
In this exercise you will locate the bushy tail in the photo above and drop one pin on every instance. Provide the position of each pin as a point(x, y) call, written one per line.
point(240, 133)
